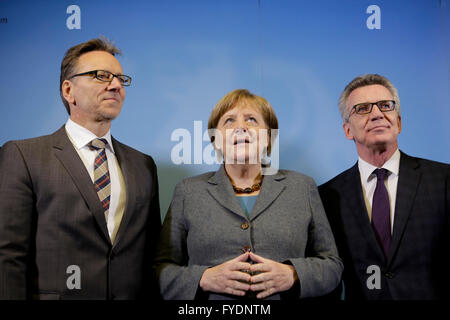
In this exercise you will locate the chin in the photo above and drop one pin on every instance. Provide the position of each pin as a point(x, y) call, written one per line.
point(244, 159)
point(381, 144)
point(106, 116)
point(381, 138)
point(109, 113)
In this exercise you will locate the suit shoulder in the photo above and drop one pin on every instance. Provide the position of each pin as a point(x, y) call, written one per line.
point(426, 166)
point(433, 165)
point(198, 179)
point(128, 149)
point(193, 183)
point(27, 145)
point(295, 177)
point(29, 141)
point(134, 152)
point(338, 180)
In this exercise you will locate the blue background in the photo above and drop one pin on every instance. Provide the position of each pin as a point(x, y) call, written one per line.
point(185, 55)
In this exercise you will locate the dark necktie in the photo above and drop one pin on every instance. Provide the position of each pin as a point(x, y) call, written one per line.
point(381, 220)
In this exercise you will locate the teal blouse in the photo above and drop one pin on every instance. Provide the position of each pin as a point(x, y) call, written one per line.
point(247, 204)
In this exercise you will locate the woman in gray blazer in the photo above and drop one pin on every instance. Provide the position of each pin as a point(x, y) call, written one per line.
point(240, 233)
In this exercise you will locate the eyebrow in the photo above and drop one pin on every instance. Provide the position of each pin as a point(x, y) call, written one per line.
point(245, 114)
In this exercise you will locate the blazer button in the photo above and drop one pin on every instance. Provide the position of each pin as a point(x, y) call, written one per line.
point(244, 226)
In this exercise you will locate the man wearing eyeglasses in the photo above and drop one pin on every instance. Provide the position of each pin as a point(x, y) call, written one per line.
point(79, 211)
point(390, 211)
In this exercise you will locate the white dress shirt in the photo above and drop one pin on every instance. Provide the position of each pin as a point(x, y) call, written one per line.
point(80, 138)
point(369, 182)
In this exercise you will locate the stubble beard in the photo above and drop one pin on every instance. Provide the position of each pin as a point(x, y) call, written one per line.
point(104, 117)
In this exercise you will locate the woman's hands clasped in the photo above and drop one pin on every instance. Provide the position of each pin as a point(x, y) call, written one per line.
point(229, 277)
point(271, 276)
point(237, 276)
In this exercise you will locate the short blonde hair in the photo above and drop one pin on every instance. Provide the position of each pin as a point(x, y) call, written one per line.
point(231, 100)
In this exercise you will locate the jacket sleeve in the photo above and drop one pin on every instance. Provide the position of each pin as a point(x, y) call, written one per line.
point(153, 231)
point(321, 269)
point(16, 218)
point(177, 279)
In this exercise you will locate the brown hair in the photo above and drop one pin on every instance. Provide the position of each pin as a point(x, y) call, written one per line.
point(72, 55)
point(231, 99)
point(362, 81)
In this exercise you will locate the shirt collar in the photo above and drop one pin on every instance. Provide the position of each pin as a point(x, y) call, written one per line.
point(82, 136)
point(366, 169)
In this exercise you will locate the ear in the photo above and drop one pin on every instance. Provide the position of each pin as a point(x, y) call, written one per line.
point(67, 91)
point(218, 149)
point(264, 137)
point(347, 130)
point(218, 139)
point(269, 137)
point(217, 145)
point(399, 123)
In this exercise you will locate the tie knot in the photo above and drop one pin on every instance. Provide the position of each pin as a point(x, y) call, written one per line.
point(381, 173)
point(98, 144)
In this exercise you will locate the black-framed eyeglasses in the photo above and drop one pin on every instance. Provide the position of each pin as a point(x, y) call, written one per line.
point(366, 107)
point(106, 76)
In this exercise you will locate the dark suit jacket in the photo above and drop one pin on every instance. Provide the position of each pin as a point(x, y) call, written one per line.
point(205, 226)
point(51, 218)
point(416, 265)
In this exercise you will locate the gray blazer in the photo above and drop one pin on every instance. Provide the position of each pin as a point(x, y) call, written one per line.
point(205, 226)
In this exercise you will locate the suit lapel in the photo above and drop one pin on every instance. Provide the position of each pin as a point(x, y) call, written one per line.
point(357, 210)
point(69, 158)
point(221, 190)
point(270, 190)
point(408, 181)
point(130, 179)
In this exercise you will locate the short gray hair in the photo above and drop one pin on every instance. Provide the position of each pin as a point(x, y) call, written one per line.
point(362, 81)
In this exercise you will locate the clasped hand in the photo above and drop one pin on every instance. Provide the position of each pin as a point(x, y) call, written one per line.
point(237, 276)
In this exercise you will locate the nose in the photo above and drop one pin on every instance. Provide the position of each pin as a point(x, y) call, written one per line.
point(376, 113)
point(241, 126)
point(115, 84)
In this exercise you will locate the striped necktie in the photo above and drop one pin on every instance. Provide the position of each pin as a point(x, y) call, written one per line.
point(102, 182)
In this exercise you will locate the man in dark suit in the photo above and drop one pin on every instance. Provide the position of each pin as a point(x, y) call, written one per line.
point(390, 211)
point(79, 211)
